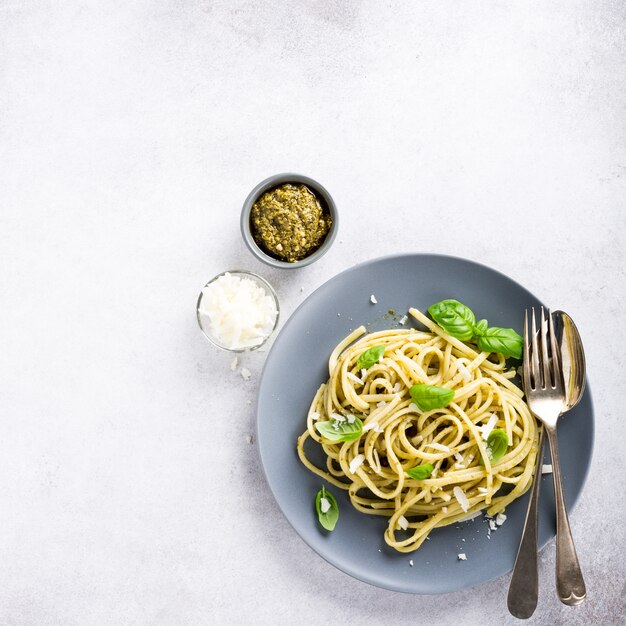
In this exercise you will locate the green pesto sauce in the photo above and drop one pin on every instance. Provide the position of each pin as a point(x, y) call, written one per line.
point(289, 223)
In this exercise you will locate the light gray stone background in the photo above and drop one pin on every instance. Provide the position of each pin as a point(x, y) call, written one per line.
point(130, 134)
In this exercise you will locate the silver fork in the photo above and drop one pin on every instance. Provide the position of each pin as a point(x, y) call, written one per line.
point(543, 385)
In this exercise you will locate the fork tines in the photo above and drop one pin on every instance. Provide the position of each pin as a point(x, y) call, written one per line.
point(542, 368)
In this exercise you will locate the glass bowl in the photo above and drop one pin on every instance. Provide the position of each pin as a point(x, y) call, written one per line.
point(203, 320)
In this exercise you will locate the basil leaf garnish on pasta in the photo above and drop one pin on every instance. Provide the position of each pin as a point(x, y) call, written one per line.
point(429, 397)
point(340, 430)
point(497, 445)
point(327, 509)
point(420, 472)
point(480, 328)
point(502, 340)
point(460, 322)
point(370, 357)
point(455, 318)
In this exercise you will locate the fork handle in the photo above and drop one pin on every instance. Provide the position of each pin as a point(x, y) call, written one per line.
point(524, 585)
point(570, 584)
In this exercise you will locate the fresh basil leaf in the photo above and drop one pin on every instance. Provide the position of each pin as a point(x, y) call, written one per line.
point(454, 317)
point(429, 397)
point(501, 340)
point(335, 430)
point(327, 509)
point(480, 328)
point(420, 472)
point(497, 445)
point(370, 357)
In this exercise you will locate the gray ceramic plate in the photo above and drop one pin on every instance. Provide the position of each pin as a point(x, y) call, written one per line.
point(297, 365)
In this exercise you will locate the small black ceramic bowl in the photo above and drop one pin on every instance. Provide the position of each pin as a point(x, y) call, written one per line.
point(275, 181)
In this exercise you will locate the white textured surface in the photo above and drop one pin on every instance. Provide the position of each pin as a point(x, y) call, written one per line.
point(130, 133)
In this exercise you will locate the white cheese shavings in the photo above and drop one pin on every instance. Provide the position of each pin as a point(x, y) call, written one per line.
point(375, 426)
point(245, 373)
point(483, 490)
point(546, 469)
point(500, 519)
point(354, 379)
point(233, 364)
point(488, 427)
point(459, 457)
point(249, 439)
point(324, 505)
point(356, 462)
point(444, 509)
point(492, 525)
point(437, 446)
point(237, 312)
point(403, 522)
point(315, 416)
point(350, 418)
point(338, 417)
point(465, 373)
point(397, 387)
point(373, 299)
point(403, 320)
point(363, 373)
point(410, 562)
point(461, 498)
point(461, 556)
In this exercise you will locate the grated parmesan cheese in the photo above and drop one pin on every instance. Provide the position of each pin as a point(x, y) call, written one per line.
point(403, 522)
point(354, 379)
point(488, 427)
point(373, 299)
point(410, 562)
point(461, 498)
point(546, 469)
point(233, 364)
point(500, 519)
point(462, 556)
point(465, 373)
point(371, 426)
point(245, 373)
point(237, 312)
point(437, 446)
point(363, 373)
point(324, 505)
point(403, 320)
point(315, 416)
point(356, 462)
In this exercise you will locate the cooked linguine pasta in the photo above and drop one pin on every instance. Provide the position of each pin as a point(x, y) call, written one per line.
point(397, 436)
